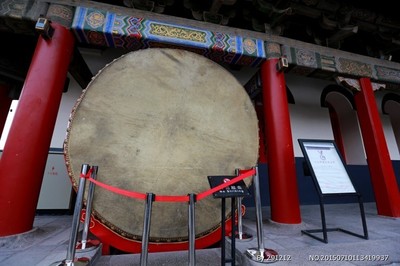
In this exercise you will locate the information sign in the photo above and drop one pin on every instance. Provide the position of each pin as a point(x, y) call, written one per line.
point(327, 167)
point(237, 189)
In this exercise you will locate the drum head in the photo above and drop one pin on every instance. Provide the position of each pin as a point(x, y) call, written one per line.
point(161, 121)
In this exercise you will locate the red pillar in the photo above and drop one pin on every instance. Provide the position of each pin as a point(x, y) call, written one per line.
point(337, 132)
point(5, 103)
point(25, 153)
point(262, 156)
point(285, 207)
point(383, 179)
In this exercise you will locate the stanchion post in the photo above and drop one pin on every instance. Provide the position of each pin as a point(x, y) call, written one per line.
point(260, 254)
point(88, 213)
point(146, 228)
point(233, 232)
point(240, 235)
point(239, 213)
point(223, 257)
point(69, 261)
point(192, 231)
point(260, 235)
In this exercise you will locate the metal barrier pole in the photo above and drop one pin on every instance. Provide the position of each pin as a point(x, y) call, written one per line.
point(88, 213)
point(146, 229)
point(239, 213)
point(223, 242)
point(260, 254)
point(233, 236)
point(69, 261)
point(241, 235)
point(192, 231)
point(260, 236)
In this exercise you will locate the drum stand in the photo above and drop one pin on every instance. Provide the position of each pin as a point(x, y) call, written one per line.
point(85, 245)
point(260, 254)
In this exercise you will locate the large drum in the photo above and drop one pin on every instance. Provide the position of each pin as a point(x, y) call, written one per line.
point(160, 121)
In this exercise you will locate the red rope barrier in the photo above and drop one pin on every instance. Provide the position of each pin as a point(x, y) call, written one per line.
point(172, 198)
point(165, 198)
point(123, 192)
point(88, 174)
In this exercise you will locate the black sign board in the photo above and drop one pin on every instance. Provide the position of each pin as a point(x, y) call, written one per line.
point(237, 189)
point(330, 176)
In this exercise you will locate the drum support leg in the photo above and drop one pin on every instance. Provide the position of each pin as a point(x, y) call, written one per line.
point(70, 258)
point(86, 245)
point(192, 231)
point(260, 254)
point(146, 229)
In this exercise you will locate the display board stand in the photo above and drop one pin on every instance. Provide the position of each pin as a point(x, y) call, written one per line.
point(330, 177)
point(234, 191)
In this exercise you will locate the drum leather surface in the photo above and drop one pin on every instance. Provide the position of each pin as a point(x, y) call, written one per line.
point(161, 121)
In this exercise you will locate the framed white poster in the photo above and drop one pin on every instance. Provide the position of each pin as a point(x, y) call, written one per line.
point(326, 166)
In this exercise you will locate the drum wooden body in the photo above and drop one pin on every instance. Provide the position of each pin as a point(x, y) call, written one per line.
point(160, 121)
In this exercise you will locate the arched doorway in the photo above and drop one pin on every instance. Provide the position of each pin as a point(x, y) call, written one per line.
point(391, 107)
point(344, 122)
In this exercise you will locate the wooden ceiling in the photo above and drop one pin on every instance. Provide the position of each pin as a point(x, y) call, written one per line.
point(370, 28)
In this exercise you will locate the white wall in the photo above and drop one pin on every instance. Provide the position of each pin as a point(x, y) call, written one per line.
point(308, 119)
point(96, 60)
point(67, 102)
